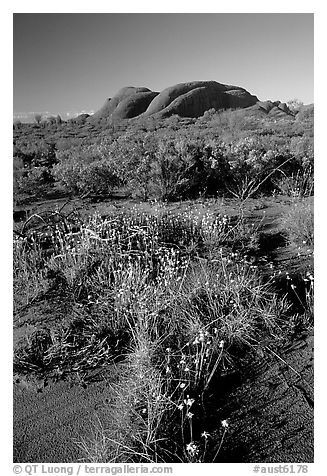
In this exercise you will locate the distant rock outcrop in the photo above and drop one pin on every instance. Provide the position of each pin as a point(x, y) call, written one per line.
point(185, 99)
point(273, 108)
point(193, 99)
point(80, 119)
point(127, 103)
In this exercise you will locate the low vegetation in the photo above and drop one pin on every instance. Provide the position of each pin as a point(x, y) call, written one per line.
point(226, 153)
point(173, 299)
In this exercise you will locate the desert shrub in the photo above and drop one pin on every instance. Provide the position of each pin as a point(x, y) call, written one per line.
point(188, 168)
point(173, 166)
point(68, 174)
point(18, 172)
point(37, 118)
point(33, 181)
point(171, 169)
point(78, 177)
point(133, 158)
point(28, 275)
point(227, 152)
point(79, 344)
point(250, 164)
point(296, 184)
point(306, 115)
point(302, 149)
point(99, 177)
point(298, 222)
point(86, 168)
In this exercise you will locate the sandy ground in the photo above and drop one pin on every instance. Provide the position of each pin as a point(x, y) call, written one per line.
point(50, 421)
point(271, 414)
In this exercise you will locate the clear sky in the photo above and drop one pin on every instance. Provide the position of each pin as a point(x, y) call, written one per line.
point(73, 62)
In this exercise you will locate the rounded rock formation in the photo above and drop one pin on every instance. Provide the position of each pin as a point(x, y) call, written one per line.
point(185, 99)
point(193, 99)
point(128, 102)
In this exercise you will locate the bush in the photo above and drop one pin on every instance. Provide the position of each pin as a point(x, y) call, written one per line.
point(77, 177)
point(32, 181)
point(298, 222)
point(225, 152)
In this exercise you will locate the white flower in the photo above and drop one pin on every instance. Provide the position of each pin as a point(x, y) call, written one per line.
point(192, 449)
point(205, 434)
point(221, 344)
point(224, 424)
point(189, 415)
point(182, 385)
point(180, 406)
point(189, 402)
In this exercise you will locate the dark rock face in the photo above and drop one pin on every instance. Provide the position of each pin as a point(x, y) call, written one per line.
point(80, 119)
point(134, 105)
point(193, 99)
point(128, 102)
point(276, 108)
point(185, 99)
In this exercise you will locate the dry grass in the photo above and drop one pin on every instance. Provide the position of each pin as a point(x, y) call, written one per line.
point(165, 298)
point(298, 222)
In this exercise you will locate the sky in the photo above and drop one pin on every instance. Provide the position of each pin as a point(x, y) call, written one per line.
point(70, 63)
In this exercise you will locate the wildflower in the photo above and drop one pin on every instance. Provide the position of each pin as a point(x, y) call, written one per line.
point(143, 410)
point(189, 401)
point(182, 385)
point(224, 424)
point(192, 449)
point(180, 406)
point(190, 415)
point(221, 344)
point(205, 434)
